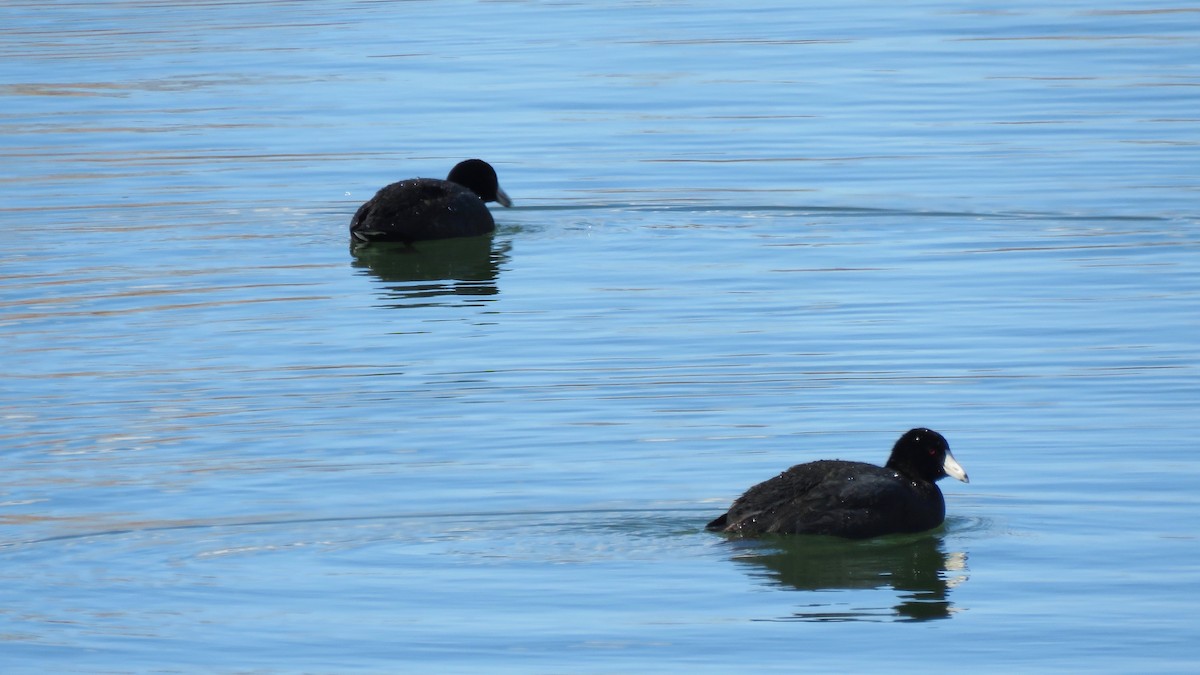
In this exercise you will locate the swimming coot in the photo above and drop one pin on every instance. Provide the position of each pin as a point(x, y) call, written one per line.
point(427, 208)
point(851, 499)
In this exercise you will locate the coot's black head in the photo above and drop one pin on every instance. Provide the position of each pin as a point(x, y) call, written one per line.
point(479, 177)
point(925, 454)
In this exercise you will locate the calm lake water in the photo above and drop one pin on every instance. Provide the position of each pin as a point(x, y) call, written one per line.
point(745, 236)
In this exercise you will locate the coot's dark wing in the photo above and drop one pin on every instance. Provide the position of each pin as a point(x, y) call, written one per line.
point(884, 502)
point(846, 499)
point(797, 497)
point(420, 209)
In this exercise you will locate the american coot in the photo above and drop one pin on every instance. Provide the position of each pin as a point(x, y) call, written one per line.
point(427, 208)
point(851, 499)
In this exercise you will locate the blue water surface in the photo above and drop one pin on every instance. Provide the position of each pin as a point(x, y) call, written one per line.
point(744, 237)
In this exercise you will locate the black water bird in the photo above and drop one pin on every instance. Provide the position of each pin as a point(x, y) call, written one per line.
point(420, 209)
point(851, 499)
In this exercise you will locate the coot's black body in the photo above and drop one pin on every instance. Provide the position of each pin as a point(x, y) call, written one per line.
point(851, 499)
point(419, 209)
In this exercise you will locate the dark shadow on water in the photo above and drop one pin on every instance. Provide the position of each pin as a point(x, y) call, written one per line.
point(430, 272)
point(915, 572)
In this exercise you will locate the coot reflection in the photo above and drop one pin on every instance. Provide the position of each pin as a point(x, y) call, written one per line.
point(912, 575)
point(412, 275)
